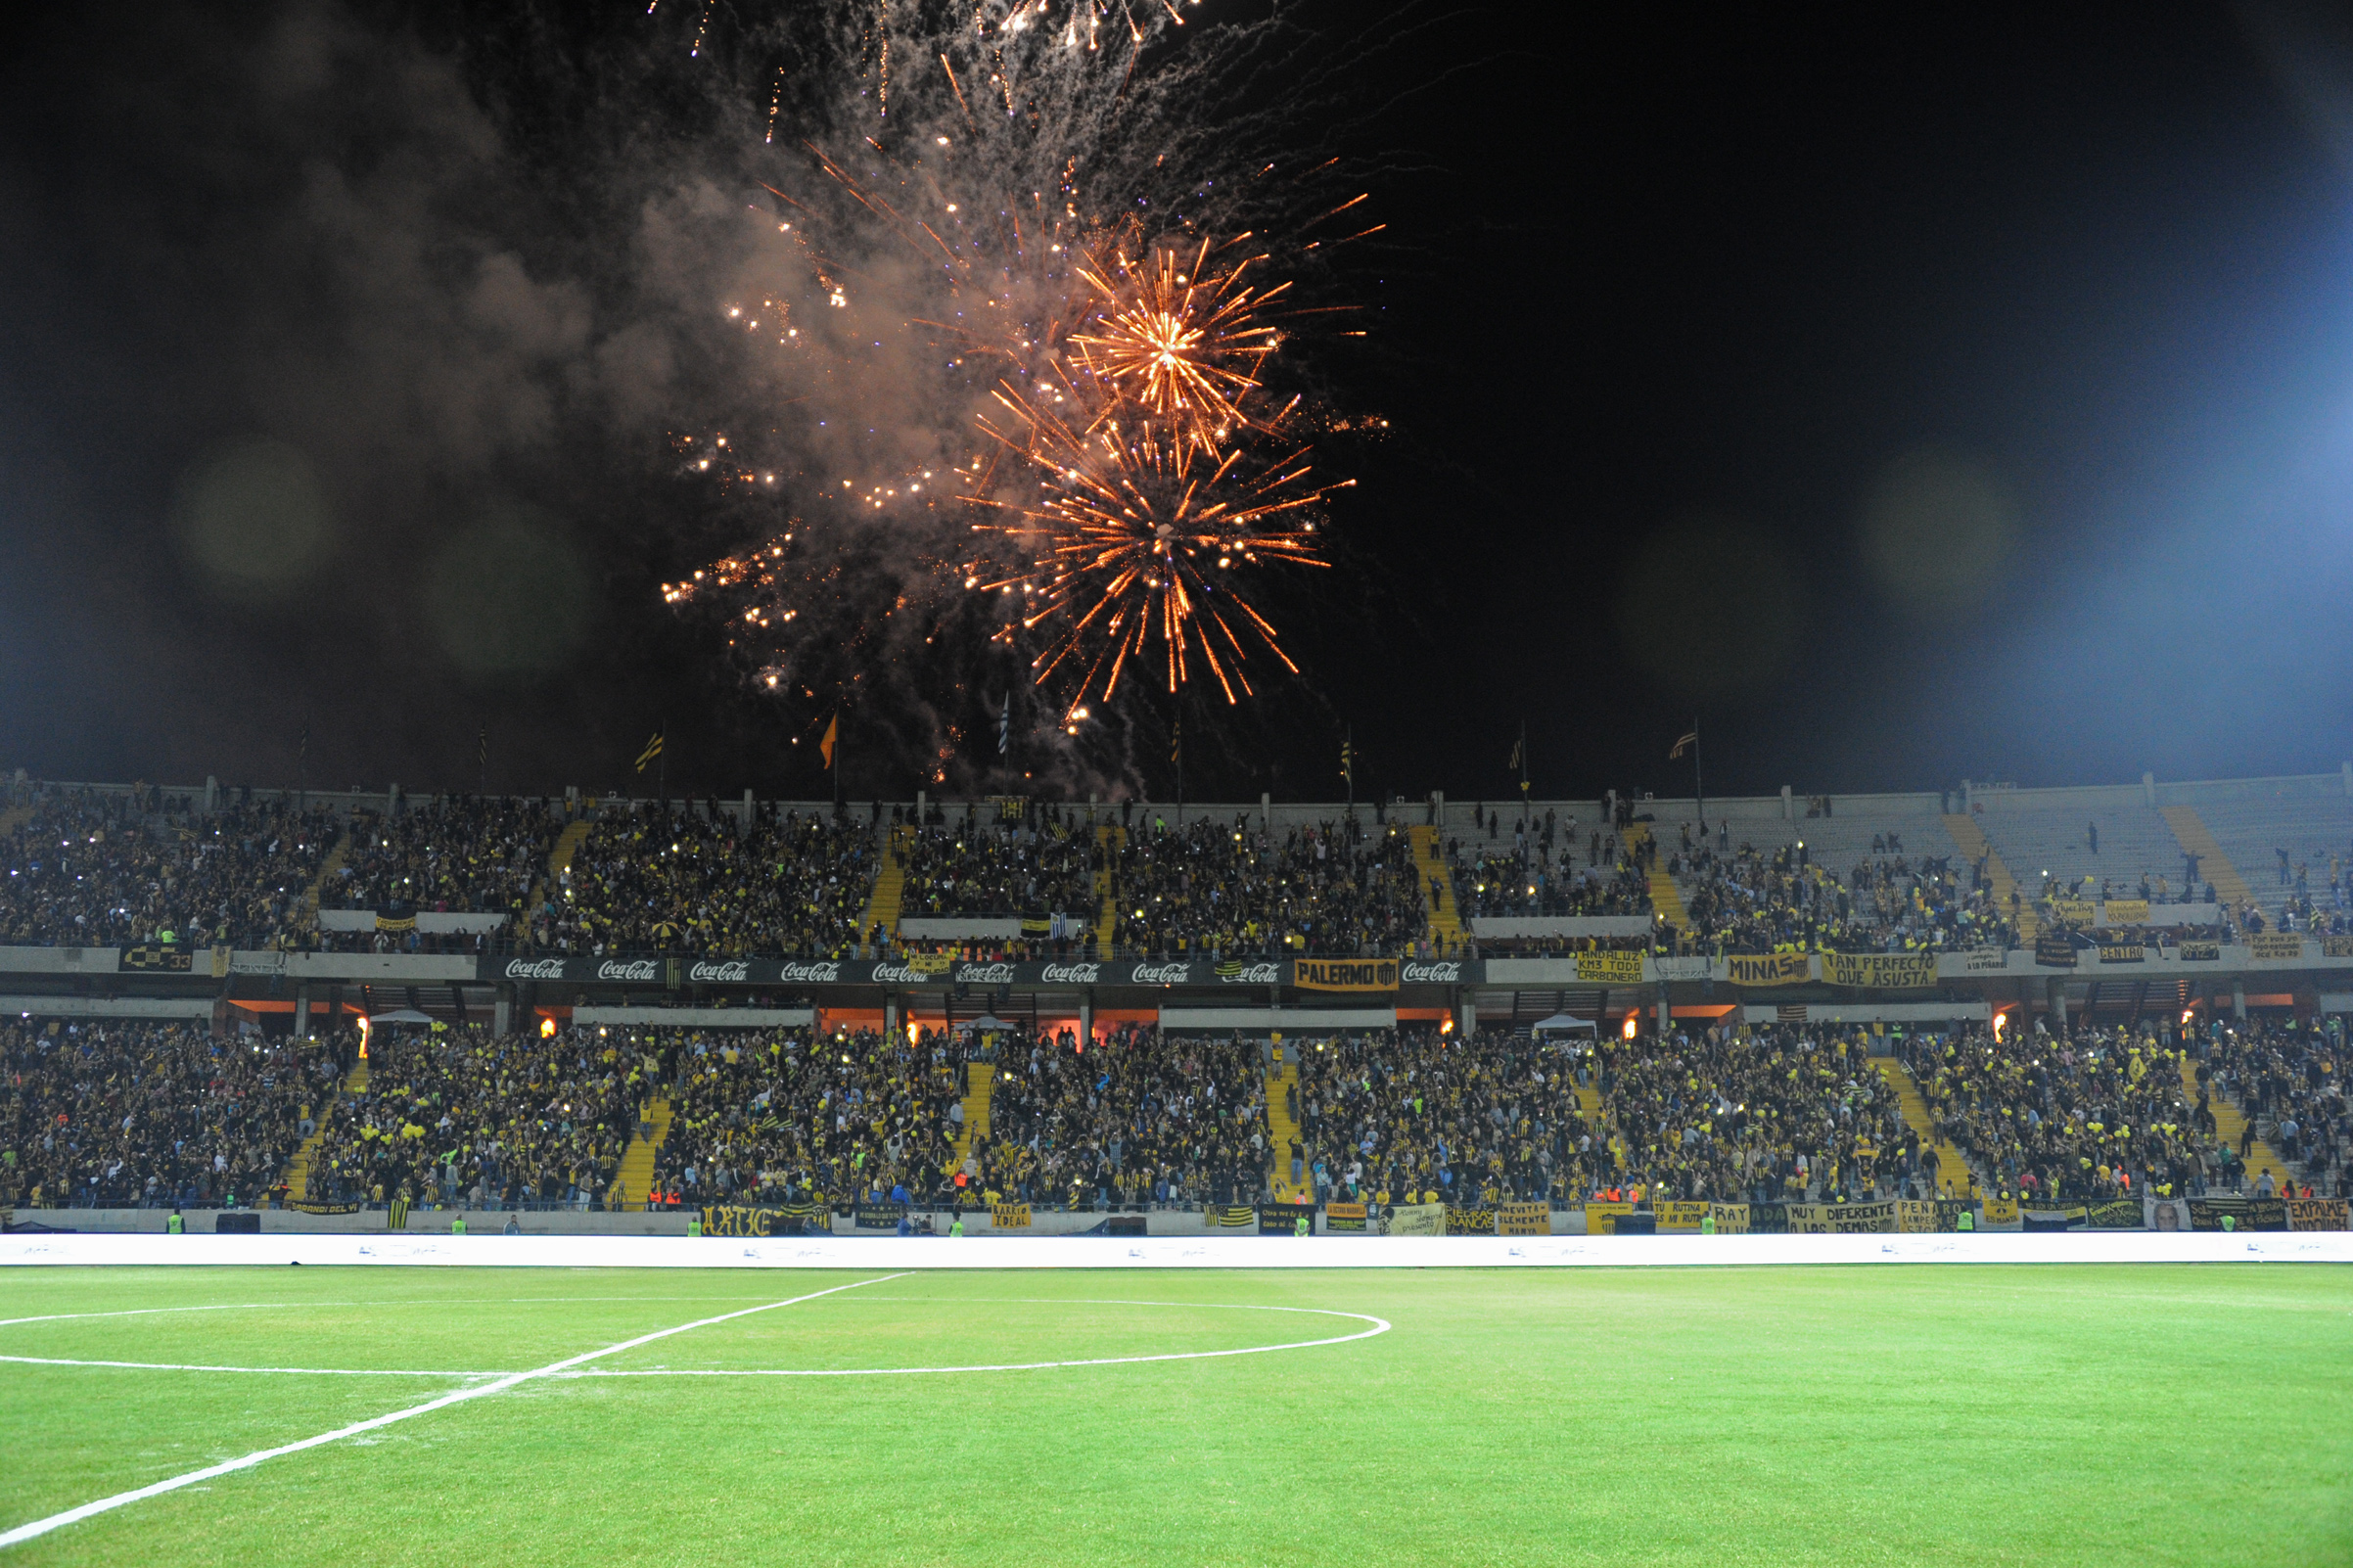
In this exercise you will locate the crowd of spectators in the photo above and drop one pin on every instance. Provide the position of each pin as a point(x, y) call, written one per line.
point(796, 1116)
point(461, 1115)
point(1535, 872)
point(121, 1114)
point(1138, 1118)
point(1037, 869)
point(1415, 1115)
point(1747, 901)
point(700, 881)
point(457, 853)
point(2289, 1077)
point(1217, 889)
point(2086, 1115)
point(105, 871)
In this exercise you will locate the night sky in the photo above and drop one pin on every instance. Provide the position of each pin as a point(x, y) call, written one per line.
point(1905, 393)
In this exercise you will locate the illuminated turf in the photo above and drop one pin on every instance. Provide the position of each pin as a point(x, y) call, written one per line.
point(2052, 1413)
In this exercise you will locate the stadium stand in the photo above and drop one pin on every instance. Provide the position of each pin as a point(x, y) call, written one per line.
point(1334, 888)
point(454, 853)
point(702, 882)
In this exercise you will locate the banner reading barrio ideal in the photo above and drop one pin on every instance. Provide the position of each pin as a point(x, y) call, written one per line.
point(1879, 971)
point(1344, 974)
point(1768, 969)
point(1009, 1217)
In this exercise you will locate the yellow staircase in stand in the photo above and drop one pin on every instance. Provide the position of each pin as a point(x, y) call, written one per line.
point(1952, 1174)
point(1974, 845)
point(1281, 1083)
point(297, 1170)
point(308, 920)
point(568, 844)
point(889, 886)
point(635, 1178)
point(2230, 1122)
point(980, 1080)
point(1666, 899)
point(1112, 838)
point(1436, 889)
point(2228, 886)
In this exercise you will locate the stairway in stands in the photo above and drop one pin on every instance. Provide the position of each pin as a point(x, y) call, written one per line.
point(1974, 846)
point(1666, 898)
point(1437, 889)
point(1112, 838)
point(1282, 1083)
point(980, 1078)
point(1952, 1167)
point(636, 1179)
point(890, 887)
point(2230, 1122)
point(329, 869)
point(297, 1178)
point(15, 818)
point(2212, 863)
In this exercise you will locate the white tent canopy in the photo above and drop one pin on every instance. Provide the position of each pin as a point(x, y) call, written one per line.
point(397, 1015)
point(986, 1022)
point(1558, 1022)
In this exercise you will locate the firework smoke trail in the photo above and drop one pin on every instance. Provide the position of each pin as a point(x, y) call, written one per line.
point(1018, 268)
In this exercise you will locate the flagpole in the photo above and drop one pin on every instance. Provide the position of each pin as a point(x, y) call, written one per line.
point(1699, 789)
point(662, 773)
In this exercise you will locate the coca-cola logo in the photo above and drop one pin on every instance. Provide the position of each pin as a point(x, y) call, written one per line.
point(535, 969)
point(984, 974)
point(1070, 973)
point(734, 969)
point(1160, 974)
point(825, 973)
point(888, 973)
point(1252, 975)
point(632, 969)
point(1413, 974)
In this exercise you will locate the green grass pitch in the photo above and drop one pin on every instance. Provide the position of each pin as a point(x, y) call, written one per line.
point(2137, 1415)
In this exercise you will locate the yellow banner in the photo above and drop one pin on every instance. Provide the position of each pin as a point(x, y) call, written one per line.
point(1009, 1217)
point(2074, 911)
point(1470, 1221)
point(1417, 1219)
point(1768, 969)
point(1879, 971)
point(1345, 974)
point(1840, 1218)
point(1732, 1218)
point(1344, 1217)
point(1523, 1219)
point(1916, 1215)
point(1601, 1219)
point(2316, 1214)
point(1610, 968)
point(2000, 1211)
point(1678, 1214)
point(2275, 945)
point(2336, 947)
point(2124, 912)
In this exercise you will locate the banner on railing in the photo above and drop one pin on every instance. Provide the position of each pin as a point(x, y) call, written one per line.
point(312, 1206)
point(1916, 1216)
point(1282, 1219)
point(2316, 1214)
point(2273, 947)
point(1345, 974)
point(1230, 1217)
point(2053, 950)
point(1678, 1213)
point(2124, 912)
point(1469, 1221)
point(2246, 1214)
point(1347, 1217)
point(1768, 1218)
point(1609, 968)
point(1523, 1219)
point(878, 1216)
point(1841, 1218)
point(1601, 1215)
point(1417, 1219)
point(1009, 1217)
point(1732, 1218)
point(1768, 969)
point(1879, 971)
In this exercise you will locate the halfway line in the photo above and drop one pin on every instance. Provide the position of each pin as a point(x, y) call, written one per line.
point(41, 1527)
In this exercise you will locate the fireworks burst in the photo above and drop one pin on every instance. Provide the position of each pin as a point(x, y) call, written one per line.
point(1184, 342)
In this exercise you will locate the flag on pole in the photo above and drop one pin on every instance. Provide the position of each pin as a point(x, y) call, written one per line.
point(1177, 741)
point(482, 746)
point(1519, 749)
point(1683, 745)
point(1004, 726)
point(653, 748)
point(1348, 760)
point(833, 730)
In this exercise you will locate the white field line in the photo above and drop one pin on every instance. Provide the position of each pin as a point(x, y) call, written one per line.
point(145, 1312)
point(41, 1527)
point(1380, 1326)
point(298, 1371)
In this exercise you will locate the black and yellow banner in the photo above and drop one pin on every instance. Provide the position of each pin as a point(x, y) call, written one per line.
point(1879, 971)
point(1916, 1216)
point(2274, 946)
point(1601, 1215)
point(751, 1220)
point(2124, 912)
point(2074, 911)
point(1523, 1219)
point(1417, 1219)
point(1732, 1218)
point(1998, 1211)
point(1230, 1217)
point(1676, 1213)
point(170, 960)
point(1282, 1219)
point(308, 1206)
point(1349, 1217)
point(1345, 974)
point(1009, 1217)
point(2053, 950)
point(1768, 969)
point(2316, 1214)
point(2122, 953)
point(1609, 968)
point(1841, 1218)
point(2248, 1214)
point(1469, 1221)
point(2200, 952)
point(2336, 947)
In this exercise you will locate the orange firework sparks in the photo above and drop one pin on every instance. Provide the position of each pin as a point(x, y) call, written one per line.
point(1144, 535)
point(1182, 340)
